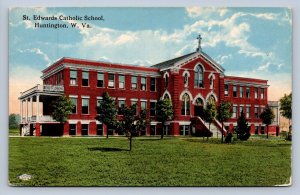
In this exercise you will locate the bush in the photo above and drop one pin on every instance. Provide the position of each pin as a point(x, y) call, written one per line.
point(228, 137)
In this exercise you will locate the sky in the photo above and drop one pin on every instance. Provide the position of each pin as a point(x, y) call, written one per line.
point(248, 42)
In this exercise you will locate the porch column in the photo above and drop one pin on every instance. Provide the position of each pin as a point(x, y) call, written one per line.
point(31, 108)
point(37, 107)
point(26, 110)
point(21, 111)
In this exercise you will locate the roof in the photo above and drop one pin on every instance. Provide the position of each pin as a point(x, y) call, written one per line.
point(169, 63)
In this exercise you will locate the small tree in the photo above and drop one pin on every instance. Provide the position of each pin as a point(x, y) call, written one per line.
point(132, 124)
point(242, 129)
point(107, 112)
point(13, 121)
point(286, 109)
point(164, 112)
point(267, 117)
point(62, 108)
point(210, 113)
point(224, 113)
point(129, 115)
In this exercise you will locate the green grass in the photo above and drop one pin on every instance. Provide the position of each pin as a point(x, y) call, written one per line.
point(14, 132)
point(152, 162)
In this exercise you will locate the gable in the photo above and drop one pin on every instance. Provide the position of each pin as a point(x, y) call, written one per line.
point(179, 62)
point(201, 58)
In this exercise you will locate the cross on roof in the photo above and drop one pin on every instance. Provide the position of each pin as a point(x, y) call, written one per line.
point(199, 42)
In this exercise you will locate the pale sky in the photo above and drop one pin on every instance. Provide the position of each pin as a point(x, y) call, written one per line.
point(250, 42)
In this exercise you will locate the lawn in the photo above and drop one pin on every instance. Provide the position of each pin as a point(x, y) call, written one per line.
point(14, 132)
point(152, 162)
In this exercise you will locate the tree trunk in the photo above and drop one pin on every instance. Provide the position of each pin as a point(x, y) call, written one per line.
point(290, 128)
point(222, 132)
point(267, 131)
point(106, 133)
point(130, 142)
point(162, 131)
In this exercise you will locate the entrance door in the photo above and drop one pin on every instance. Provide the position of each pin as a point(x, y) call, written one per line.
point(198, 108)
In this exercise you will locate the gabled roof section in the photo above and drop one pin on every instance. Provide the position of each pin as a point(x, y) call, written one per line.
point(169, 64)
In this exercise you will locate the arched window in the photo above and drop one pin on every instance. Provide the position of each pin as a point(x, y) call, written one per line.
point(166, 96)
point(199, 77)
point(199, 102)
point(185, 107)
point(186, 79)
point(212, 99)
point(211, 80)
point(166, 81)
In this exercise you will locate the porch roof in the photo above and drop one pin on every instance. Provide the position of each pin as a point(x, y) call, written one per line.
point(47, 90)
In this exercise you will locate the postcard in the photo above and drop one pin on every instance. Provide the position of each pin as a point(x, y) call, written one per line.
point(153, 96)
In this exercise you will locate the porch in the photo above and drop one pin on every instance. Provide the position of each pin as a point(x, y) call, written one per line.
point(36, 103)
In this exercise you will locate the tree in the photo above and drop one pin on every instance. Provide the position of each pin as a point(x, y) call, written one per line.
point(242, 129)
point(286, 109)
point(164, 112)
point(210, 113)
point(13, 121)
point(132, 124)
point(62, 108)
point(267, 117)
point(224, 113)
point(107, 112)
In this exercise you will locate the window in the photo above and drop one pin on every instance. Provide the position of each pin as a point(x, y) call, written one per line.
point(85, 78)
point(226, 90)
point(60, 78)
point(143, 105)
point(255, 93)
point(99, 129)
point(143, 131)
point(199, 77)
point(185, 107)
point(211, 82)
point(247, 92)
point(111, 81)
point(262, 109)
point(121, 81)
point(152, 108)
point(73, 77)
point(74, 102)
point(256, 112)
point(167, 130)
point(72, 129)
point(152, 129)
point(234, 111)
point(234, 91)
point(184, 130)
point(121, 105)
point(100, 80)
point(84, 129)
point(262, 93)
point(241, 92)
point(247, 112)
point(143, 83)
point(166, 81)
point(186, 79)
point(256, 130)
point(241, 110)
point(85, 106)
point(134, 102)
point(99, 101)
point(262, 130)
point(133, 82)
point(152, 84)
